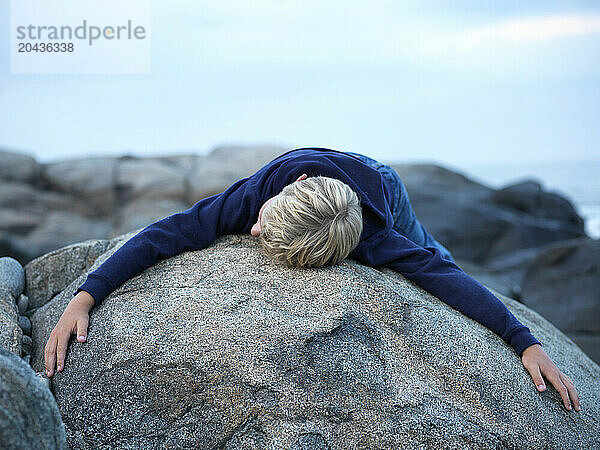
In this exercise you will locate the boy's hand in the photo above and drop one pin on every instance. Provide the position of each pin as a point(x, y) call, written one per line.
point(538, 363)
point(74, 319)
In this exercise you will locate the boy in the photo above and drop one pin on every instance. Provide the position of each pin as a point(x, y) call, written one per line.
point(314, 207)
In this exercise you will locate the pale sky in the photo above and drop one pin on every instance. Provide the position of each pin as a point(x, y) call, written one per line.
point(453, 82)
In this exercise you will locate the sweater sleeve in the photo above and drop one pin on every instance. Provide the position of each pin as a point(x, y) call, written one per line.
point(229, 212)
point(448, 282)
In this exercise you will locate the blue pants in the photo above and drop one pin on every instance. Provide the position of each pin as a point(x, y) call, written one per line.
point(405, 220)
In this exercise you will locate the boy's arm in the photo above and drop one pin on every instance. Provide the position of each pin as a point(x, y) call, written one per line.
point(229, 212)
point(449, 283)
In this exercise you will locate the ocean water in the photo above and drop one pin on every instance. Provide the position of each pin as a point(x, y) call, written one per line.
point(577, 180)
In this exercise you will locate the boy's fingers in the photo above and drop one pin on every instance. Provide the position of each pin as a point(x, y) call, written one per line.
point(61, 351)
point(537, 378)
point(561, 388)
point(50, 356)
point(82, 325)
point(572, 391)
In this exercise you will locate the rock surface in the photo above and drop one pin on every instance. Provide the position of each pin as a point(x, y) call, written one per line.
point(478, 223)
point(220, 348)
point(29, 417)
point(48, 275)
point(562, 283)
point(10, 331)
point(12, 276)
point(18, 167)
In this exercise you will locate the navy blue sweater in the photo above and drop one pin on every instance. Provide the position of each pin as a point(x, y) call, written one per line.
point(236, 209)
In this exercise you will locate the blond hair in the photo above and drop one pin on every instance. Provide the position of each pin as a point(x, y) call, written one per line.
point(312, 223)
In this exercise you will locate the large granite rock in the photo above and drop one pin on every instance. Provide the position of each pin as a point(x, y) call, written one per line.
point(29, 417)
point(220, 348)
point(46, 206)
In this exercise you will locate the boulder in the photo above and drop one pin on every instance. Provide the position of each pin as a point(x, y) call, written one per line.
point(50, 274)
point(29, 417)
point(562, 283)
point(12, 276)
point(11, 334)
point(149, 179)
point(18, 167)
point(478, 223)
point(225, 165)
point(140, 213)
point(91, 178)
point(15, 221)
point(221, 348)
point(62, 228)
point(529, 197)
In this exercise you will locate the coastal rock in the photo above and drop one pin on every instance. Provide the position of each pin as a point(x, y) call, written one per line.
point(221, 348)
point(50, 274)
point(225, 165)
point(528, 196)
point(141, 213)
point(562, 283)
point(62, 228)
point(12, 276)
point(23, 304)
point(148, 179)
point(25, 325)
point(10, 331)
point(91, 178)
point(29, 417)
point(18, 167)
point(477, 223)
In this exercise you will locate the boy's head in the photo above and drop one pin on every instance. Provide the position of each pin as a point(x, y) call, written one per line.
point(313, 222)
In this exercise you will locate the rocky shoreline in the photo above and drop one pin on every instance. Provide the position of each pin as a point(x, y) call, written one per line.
point(63, 219)
point(523, 241)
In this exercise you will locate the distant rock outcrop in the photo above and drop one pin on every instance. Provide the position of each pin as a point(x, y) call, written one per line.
point(47, 206)
point(221, 348)
point(480, 224)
